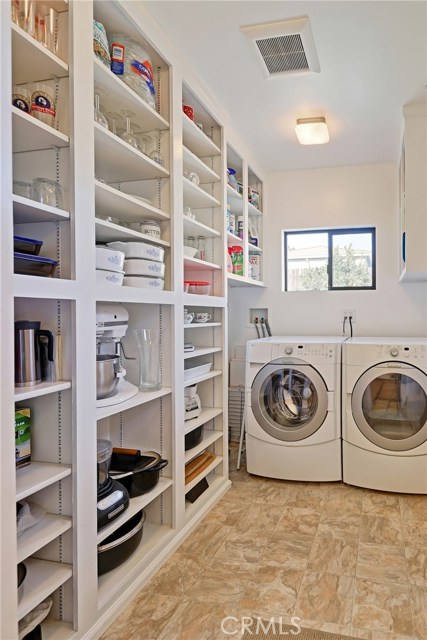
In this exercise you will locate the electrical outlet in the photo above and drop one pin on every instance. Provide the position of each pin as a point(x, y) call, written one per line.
point(349, 313)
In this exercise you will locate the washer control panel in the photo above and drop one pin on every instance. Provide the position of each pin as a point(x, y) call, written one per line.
point(319, 353)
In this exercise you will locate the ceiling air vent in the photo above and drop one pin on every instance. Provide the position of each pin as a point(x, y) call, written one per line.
point(285, 46)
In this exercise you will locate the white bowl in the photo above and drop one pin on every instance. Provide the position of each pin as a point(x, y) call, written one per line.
point(190, 252)
point(109, 259)
point(139, 250)
point(110, 277)
point(143, 282)
point(139, 267)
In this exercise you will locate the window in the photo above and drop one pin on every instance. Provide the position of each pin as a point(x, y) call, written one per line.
point(329, 259)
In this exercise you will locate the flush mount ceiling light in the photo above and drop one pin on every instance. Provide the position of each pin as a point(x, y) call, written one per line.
point(312, 130)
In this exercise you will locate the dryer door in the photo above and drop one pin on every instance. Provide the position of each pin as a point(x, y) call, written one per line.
point(389, 405)
point(289, 399)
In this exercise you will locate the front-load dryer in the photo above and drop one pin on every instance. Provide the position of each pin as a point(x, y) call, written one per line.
point(385, 414)
point(293, 392)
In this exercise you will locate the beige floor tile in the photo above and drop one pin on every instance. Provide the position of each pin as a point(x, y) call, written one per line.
point(325, 597)
point(287, 550)
point(205, 540)
point(382, 563)
point(260, 516)
point(304, 520)
point(177, 575)
point(148, 611)
point(333, 556)
point(194, 620)
point(382, 607)
point(271, 591)
point(415, 533)
point(339, 527)
point(243, 546)
point(381, 530)
point(413, 508)
point(419, 611)
point(221, 582)
point(377, 503)
point(416, 561)
point(311, 495)
point(246, 492)
point(274, 494)
point(227, 513)
point(343, 503)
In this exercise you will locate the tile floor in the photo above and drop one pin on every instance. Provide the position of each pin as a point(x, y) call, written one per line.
point(342, 559)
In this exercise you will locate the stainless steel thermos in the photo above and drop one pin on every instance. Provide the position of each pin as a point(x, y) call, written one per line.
point(30, 342)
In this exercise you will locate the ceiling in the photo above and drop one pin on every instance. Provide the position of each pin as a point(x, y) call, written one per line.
point(372, 59)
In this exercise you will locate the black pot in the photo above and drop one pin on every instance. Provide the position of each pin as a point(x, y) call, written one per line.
point(121, 544)
point(140, 480)
point(22, 572)
point(193, 438)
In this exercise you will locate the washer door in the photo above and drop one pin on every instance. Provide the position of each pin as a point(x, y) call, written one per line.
point(289, 399)
point(389, 405)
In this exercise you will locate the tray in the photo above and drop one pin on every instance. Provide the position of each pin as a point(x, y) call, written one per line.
point(194, 372)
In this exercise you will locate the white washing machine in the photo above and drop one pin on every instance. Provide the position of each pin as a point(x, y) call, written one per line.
point(385, 414)
point(293, 396)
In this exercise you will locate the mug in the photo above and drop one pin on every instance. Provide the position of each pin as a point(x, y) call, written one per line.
point(188, 317)
point(189, 111)
point(202, 317)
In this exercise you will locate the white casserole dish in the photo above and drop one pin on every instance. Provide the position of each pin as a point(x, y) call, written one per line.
point(143, 282)
point(138, 267)
point(194, 372)
point(109, 259)
point(110, 277)
point(139, 250)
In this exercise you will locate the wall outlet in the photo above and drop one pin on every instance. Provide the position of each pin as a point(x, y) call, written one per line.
point(349, 313)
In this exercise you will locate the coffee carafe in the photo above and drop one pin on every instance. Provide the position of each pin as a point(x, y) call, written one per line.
point(28, 338)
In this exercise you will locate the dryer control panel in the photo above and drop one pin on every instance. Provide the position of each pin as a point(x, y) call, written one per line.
point(320, 353)
point(415, 354)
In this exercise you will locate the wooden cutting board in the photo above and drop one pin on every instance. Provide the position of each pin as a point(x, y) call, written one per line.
point(200, 468)
point(195, 463)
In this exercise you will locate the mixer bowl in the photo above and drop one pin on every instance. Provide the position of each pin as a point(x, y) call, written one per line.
point(107, 378)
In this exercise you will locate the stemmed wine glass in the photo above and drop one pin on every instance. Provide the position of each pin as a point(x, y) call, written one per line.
point(115, 119)
point(98, 115)
point(128, 136)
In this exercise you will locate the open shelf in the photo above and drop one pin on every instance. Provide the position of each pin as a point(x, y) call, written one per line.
point(108, 292)
point(120, 97)
point(41, 389)
point(194, 227)
point(253, 211)
point(203, 474)
point(198, 351)
point(106, 231)
point(26, 210)
point(38, 475)
point(43, 578)
point(32, 539)
point(54, 630)
point(117, 161)
point(140, 398)
point(127, 208)
point(232, 239)
point(200, 325)
point(196, 140)
point(44, 64)
point(37, 286)
point(135, 505)
point(209, 437)
point(197, 379)
point(242, 281)
point(194, 299)
point(218, 486)
point(208, 413)
point(193, 163)
point(194, 264)
point(196, 197)
point(30, 134)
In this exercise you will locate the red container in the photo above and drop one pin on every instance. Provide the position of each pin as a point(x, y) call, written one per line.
point(189, 111)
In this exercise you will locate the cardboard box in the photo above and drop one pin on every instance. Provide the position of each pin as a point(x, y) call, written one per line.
point(22, 437)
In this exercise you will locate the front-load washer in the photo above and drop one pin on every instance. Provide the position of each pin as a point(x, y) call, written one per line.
point(292, 404)
point(385, 414)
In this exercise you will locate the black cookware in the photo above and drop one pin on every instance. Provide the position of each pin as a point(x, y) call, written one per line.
point(193, 438)
point(141, 479)
point(121, 544)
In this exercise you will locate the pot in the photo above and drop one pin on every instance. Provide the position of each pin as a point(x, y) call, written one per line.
point(141, 479)
point(121, 544)
point(108, 374)
point(193, 438)
point(22, 572)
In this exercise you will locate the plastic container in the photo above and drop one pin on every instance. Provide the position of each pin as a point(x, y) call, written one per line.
point(28, 265)
point(132, 64)
point(109, 277)
point(47, 192)
point(140, 267)
point(109, 259)
point(144, 282)
point(27, 245)
point(199, 287)
point(139, 250)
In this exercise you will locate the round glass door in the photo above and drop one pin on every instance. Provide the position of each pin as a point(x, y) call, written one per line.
point(389, 406)
point(289, 400)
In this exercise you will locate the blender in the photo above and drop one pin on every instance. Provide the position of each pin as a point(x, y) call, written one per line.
point(112, 321)
point(112, 497)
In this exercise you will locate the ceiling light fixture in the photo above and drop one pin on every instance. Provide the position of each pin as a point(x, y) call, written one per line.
point(312, 130)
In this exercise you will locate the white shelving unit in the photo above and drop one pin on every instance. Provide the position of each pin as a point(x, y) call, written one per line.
point(109, 188)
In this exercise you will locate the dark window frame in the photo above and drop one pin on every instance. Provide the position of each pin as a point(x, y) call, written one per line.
point(331, 233)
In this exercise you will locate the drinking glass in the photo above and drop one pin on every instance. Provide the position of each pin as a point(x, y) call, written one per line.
point(128, 136)
point(98, 115)
point(48, 22)
point(115, 120)
point(43, 106)
point(149, 359)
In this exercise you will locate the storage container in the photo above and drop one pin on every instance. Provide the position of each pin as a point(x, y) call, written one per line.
point(151, 228)
point(28, 265)
point(110, 277)
point(27, 245)
point(109, 259)
point(198, 287)
point(144, 282)
point(140, 267)
point(139, 250)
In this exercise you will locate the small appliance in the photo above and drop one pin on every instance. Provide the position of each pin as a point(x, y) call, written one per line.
point(31, 352)
point(111, 325)
point(112, 497)
point(193, 406)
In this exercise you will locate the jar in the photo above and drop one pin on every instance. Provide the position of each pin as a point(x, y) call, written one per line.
point(201, 247)
point(151, 228)
point(47, 192)
point(21, 188)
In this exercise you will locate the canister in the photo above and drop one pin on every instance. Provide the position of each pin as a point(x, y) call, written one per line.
point(151, 228)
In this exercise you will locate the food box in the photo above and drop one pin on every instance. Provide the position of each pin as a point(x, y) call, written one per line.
point(22, 437)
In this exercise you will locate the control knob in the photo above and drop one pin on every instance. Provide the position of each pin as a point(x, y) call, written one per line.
point(394, 351)
point(288, 350)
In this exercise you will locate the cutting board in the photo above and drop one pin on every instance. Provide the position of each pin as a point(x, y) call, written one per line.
point(195, 463)
point(201, 467)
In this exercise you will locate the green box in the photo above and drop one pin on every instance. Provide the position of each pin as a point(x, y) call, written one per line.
point(22, 437)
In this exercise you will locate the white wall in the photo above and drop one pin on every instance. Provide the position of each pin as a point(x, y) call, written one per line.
point(336, 197)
